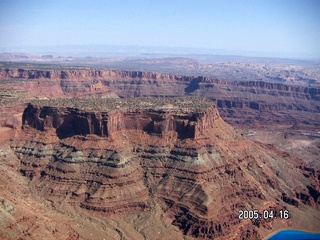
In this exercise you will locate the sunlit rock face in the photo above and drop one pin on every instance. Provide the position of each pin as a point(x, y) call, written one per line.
point(115, 157)
point(144, 84)
point(185, 120)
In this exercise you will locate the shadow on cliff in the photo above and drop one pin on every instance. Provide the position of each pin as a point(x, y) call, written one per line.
point(193, 86)
point(67, 129)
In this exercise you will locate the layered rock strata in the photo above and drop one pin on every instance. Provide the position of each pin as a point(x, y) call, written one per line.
point(189, 84)
point(183, 116)
point(234, 99)
point(126, 156)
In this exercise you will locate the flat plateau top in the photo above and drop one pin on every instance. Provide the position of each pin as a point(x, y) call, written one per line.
point(132, 104)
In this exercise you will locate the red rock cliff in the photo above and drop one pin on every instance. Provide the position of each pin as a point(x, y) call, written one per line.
point(177, 159)
point(68, 121)
point(189, 83)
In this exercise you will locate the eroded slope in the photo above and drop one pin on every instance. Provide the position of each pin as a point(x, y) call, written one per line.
point(171, 162)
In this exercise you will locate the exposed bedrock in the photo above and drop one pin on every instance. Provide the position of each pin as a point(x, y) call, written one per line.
point(72, 121)
point(127, 164)
point(256, 95)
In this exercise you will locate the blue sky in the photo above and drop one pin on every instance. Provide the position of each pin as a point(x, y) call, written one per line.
point(274, 27)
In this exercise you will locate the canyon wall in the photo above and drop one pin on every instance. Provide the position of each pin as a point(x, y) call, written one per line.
point(189, 164)
point(72, 121)
point(125, 163)
point(190, 83)
point(234, 99)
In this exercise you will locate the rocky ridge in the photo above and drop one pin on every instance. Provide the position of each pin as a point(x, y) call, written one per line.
point(234, 98)
point(192, 83)
point(185, 116)
point(170, 153)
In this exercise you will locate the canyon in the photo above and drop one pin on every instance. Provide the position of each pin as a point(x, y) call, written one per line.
point(138, 155)
point(234, 98)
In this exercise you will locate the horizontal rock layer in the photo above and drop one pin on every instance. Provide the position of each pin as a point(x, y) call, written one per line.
point(191, 83)
point(185, 123)
point(199, 182)
point(234, 99)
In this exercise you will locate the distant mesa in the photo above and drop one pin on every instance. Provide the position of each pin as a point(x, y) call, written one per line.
point(234, 98)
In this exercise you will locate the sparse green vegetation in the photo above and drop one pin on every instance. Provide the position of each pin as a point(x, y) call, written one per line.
point(10, 97)
point(108, 104)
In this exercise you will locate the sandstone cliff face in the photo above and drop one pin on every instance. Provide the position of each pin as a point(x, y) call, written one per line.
point(190, 84)
point(70, 121)
point(233, 98)
point(126, 161)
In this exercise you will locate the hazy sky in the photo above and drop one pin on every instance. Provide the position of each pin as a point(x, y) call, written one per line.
point(288, 27)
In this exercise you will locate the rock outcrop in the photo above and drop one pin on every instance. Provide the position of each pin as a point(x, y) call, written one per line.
point(189, 84)
point(188, 121)
point(234, 99)
point(116, 157)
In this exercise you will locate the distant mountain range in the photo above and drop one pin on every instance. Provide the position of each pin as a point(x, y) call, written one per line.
point(102, 50)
